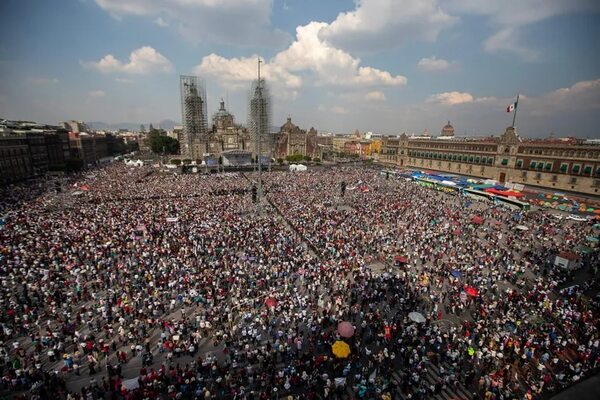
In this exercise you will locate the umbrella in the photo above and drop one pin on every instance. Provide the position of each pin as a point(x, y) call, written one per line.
point(400, 259)
point(592, 239)
point(477, 220)
point(416, 317)
point(345, 329)
point(340, 349)
point(510, 326)
point(522, 228)
point(271, 302)
point(471, 291)
point(456, 273)
point(596, 226)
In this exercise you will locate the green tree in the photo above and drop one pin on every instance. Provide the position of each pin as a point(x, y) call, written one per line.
point(307, 158)
point(160, 143)
point(294, 158)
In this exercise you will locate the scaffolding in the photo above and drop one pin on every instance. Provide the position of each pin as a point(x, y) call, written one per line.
point(193, 114)
point(259, 120)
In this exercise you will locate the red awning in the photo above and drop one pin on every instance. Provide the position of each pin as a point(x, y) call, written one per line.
point(401, 259)
point(505, 193)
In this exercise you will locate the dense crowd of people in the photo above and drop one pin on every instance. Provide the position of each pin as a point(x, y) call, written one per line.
point(132, 283)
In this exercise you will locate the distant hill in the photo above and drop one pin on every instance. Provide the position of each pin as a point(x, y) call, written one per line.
point(132, 126)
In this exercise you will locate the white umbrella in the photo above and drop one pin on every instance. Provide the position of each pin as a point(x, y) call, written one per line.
point(522, 228)
point(416, 317)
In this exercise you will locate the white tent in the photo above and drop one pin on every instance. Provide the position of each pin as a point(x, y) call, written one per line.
point(298, 167)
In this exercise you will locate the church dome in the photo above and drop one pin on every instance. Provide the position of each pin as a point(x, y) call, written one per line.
point(448, 130)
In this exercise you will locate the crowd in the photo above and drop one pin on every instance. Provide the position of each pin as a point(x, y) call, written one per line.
point(133, 284)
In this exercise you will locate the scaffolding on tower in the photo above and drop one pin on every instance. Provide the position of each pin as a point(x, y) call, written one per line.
point(193, 114)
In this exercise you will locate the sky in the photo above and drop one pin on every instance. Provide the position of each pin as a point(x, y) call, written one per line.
point(385, 66)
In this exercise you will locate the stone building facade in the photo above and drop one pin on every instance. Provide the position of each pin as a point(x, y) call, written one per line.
point(292, 140)
point(558, 165)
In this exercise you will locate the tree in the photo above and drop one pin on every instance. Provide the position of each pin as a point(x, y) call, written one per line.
point(142, 128)
point(307, 158)
point(294, 158)
point(280, 161)
point(160, 144)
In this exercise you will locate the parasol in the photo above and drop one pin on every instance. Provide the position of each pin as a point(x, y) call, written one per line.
point(271, 302)
point(471, 291)
point(340, 349)
point(522, 228)
point(345, 329)
point(456, 273)
point(416, 317)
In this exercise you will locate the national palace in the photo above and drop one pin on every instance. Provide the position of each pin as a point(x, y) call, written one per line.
point(557, 164)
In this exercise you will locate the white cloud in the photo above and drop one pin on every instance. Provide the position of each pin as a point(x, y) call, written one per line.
point(238, 72)
point(375, 96)
point(507, 40)
point(380, 24)
point(238, 22)
point(434, 64)
point(144, 60)
point(307, 57)
point(509, 16)
point(96, 93)
point(451, 98)
point(581, 96)
point(161, 22)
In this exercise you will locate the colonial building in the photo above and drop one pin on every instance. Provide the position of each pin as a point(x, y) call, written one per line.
point(570, 165)
point(292, 140)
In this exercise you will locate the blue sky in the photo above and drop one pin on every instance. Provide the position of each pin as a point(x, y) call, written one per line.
point(387, 66)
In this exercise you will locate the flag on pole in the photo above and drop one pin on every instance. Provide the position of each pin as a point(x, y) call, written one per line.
point(513, 106)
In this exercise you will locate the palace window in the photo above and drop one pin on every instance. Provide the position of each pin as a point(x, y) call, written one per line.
point(477, 159)
point(519, 163)
point(576, 168)
point(587, 170)
point(597, 171)
point(471, 158)
point(573, 181)
point(564, 167)
point(490, 160)
point(532, 165)
point(540, 165)
point(548, 166)
point(538, 176)
point(504, 161)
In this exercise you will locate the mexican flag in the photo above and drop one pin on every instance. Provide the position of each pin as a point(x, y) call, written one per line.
point(513, 106)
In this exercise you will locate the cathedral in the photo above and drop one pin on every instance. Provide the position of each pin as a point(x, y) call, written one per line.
point(292, 140)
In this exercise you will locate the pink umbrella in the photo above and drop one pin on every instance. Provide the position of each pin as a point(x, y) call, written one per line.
point(345, 329)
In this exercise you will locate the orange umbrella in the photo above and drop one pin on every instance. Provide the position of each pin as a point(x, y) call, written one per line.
point(340, 349)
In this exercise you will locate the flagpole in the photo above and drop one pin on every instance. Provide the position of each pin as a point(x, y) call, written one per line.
point(515, 114)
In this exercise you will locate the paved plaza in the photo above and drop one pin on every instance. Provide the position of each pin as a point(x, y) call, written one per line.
point(135, 284)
